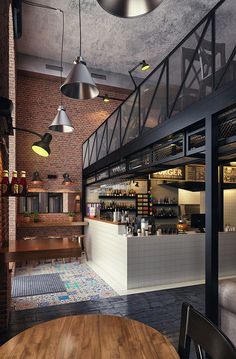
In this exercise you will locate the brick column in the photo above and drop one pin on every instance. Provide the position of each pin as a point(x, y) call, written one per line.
point(5, 59)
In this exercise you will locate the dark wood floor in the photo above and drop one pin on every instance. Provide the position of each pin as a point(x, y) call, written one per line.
point(160, 309)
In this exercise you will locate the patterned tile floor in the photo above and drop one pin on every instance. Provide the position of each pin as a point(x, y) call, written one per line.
point(81, 282)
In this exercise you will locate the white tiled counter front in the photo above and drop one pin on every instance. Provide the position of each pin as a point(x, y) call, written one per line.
point(166, 260)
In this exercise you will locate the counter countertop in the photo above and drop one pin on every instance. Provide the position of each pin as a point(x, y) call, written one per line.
point(104, 221)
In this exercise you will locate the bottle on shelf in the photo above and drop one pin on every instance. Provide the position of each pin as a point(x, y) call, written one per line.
point(5, 185)
point(14, 184)
point(22, 184)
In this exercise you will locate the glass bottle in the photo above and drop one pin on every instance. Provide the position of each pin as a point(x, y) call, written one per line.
point(23, 184)
point(5, 185)
point(14, 184)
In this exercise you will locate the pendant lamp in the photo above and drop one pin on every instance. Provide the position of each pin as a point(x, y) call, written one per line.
point(79, 83)
point(61, 122)
point(129, 8)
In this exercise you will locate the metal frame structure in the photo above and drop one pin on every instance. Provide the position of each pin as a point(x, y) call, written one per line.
point(200, 131)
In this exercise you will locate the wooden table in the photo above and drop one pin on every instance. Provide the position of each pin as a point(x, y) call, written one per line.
point(21, 250)
point(89, 337)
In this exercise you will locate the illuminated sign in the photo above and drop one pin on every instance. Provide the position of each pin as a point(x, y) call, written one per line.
point(177, 173)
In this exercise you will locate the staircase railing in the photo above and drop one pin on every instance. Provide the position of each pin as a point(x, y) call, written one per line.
point(203, 62)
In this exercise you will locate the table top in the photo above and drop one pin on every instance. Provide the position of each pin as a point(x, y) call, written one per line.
point(90, 337)
point(39, 248)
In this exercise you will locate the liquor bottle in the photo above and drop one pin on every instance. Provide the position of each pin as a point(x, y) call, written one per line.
point(5, 185)
point(14, 184)
point(23, 184)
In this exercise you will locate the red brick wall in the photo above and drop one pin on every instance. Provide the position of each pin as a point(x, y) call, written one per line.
point(7, 85)
point(38, 97)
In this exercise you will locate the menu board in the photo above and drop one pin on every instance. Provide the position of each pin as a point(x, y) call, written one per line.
point(195, 173)
point(144, 204)
point(229, 174)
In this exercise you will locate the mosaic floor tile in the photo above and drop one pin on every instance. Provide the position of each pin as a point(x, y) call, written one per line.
point(81, 283)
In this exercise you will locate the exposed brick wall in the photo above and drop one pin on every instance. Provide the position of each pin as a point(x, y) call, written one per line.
point(6, 88)
point(38, 98)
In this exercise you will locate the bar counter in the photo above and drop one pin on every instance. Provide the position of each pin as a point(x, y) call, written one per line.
point(164, 260)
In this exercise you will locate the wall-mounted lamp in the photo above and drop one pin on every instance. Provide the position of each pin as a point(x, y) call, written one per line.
point(106, 98)
point(40, 147)
point(67, 180)
point(144, 66)
point(36, 178)
point(136, 183)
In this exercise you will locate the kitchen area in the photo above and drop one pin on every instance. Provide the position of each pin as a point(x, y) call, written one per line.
point(147, 233)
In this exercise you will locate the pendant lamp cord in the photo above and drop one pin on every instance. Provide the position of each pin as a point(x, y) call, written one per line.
point(62, 47)
point(80, 30)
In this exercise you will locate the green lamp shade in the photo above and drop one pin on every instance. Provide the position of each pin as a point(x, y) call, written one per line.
point(42, 147)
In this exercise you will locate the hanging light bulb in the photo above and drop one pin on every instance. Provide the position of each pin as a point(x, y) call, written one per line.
point(61, 122)
point(79, 83)
point(129, 8)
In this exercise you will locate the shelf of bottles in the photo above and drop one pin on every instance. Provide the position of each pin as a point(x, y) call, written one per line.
point(117, 206)
point(117, 193)
point(144, 206)
point(16, 187)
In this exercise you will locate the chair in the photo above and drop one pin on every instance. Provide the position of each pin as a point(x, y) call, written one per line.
point(205, 336)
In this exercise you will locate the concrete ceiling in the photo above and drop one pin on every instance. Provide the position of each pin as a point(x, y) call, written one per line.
point(108, 43)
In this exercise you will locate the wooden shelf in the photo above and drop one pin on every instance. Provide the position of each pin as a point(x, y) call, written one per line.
point(51, 224)
point(165, 204)
point(117, 197)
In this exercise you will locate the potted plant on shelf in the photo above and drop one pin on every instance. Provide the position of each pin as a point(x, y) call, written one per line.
point(36, 217)
point(27, 217)
point(71, 216)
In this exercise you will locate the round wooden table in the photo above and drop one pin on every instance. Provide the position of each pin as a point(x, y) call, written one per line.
point(89, 337)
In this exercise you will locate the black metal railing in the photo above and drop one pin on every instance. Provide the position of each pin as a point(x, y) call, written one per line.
point(203, 62)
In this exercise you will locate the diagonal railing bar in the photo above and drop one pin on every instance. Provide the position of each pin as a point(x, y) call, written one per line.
point(105, 126)
point(213, 49)
point(113, 131)
point(153, 96)
point(190, 65)
point(129, 119)
point(92, 147)
point(209, 17)
point(85, 154)
point(226, 67)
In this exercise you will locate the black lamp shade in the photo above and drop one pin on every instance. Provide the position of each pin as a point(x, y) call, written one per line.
point(42, 147)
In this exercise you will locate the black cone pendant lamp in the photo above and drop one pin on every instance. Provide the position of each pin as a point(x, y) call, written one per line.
point(79, 83)
point(61, 122)
point(129, 8)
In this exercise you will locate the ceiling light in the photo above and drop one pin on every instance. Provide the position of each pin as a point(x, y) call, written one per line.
point(232, 163)
point(79, 83)
point(36, 178)
point(42, 147)
point(129, 8)
point(67, 181)
point(106, 98)
point(61, 122)
point(145, 66)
